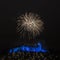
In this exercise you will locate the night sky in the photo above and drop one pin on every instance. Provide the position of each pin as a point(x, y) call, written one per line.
point(46, 9)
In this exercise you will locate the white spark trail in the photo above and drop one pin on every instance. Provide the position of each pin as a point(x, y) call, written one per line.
point(31, 23)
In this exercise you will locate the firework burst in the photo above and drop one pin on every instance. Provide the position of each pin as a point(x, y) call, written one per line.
point(29, 22)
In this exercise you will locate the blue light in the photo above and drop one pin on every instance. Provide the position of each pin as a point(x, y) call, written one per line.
point(10, 51)
point(27, 49)
point(37, 48)
point(15, 49)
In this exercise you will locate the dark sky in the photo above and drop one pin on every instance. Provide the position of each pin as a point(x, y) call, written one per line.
point(47, 9)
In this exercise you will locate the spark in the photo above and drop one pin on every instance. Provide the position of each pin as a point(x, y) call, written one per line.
point(31, 23)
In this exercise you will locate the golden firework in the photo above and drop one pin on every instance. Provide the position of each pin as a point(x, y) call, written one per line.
point(29, 22)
